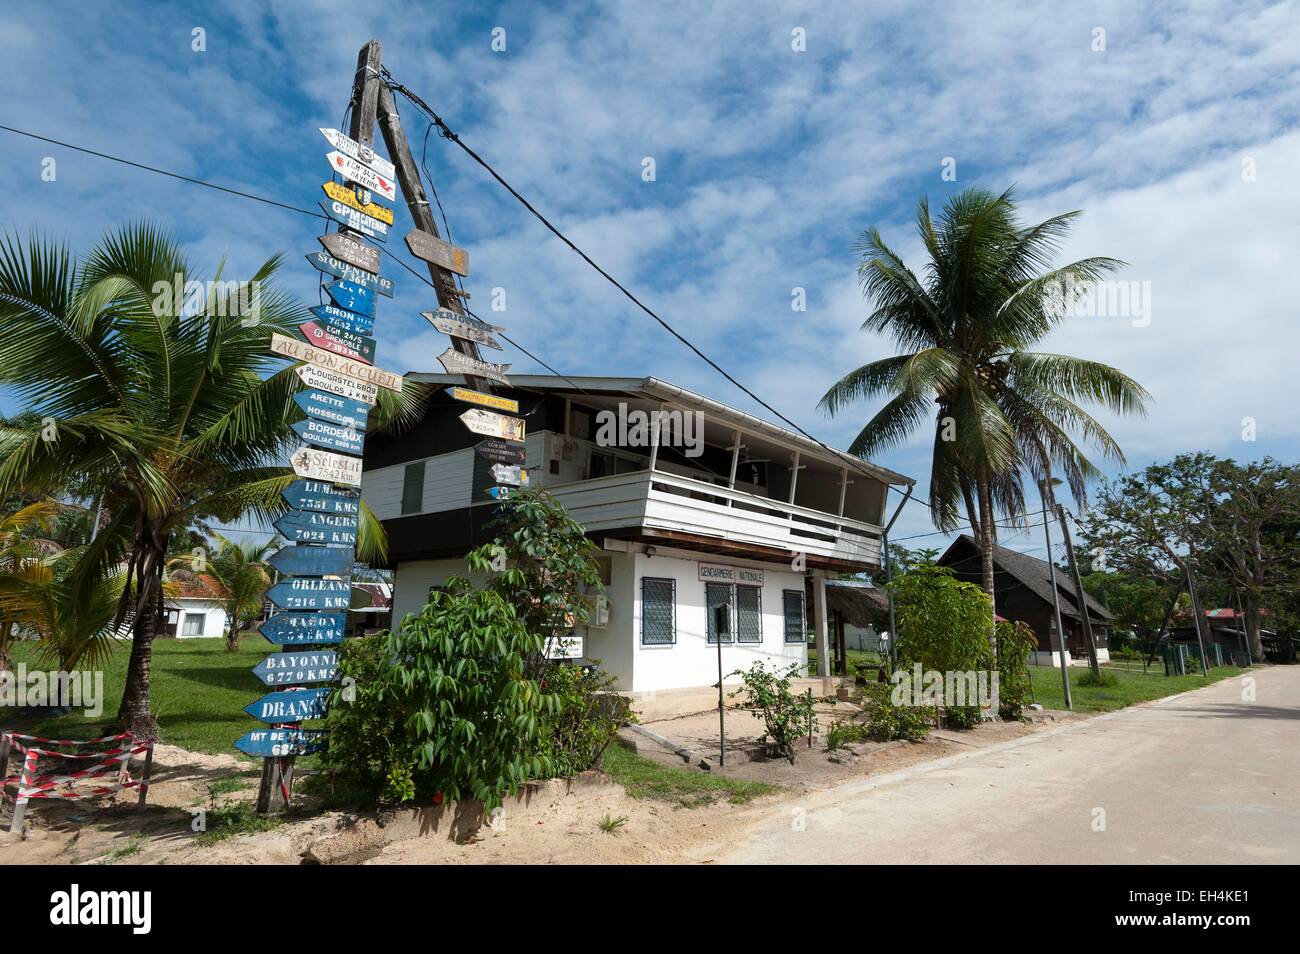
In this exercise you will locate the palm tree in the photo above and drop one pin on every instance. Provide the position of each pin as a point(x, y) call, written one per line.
point(238, 574)
point(22, 552)
point(170, 408)
point(1001, 412)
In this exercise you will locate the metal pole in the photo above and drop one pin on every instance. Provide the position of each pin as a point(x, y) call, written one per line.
point(1083, 598)
point(1056, 606)
point(1245, 639)
point(889, 593)
point(722, 723)
point(1200, 617)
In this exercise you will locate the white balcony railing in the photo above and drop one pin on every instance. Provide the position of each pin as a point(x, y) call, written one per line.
point(663, 501)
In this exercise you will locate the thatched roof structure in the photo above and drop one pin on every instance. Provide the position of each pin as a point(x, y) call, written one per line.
point(860, 603)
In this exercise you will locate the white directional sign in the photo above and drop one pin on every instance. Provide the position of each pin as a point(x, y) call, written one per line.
point(347, 249)
point(354, 171)
point(457, 363)
point(323, 465)
point(328, 361)
point(513, 475)
point(339, 384)
point(360, 152)
point(463, 326)
point(493, 425)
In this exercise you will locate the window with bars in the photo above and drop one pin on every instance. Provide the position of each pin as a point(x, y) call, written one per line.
point(717, 604)
point(796, 629)
point(413, 488)
point(658, 611)
point(749, 614)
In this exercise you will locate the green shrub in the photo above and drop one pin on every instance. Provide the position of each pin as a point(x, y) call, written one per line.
point(787, 716)
point(844, 732)
point(1015, 641)
point(1099, 679)
point(886, 721)
point(589, 714)
point(368, 757)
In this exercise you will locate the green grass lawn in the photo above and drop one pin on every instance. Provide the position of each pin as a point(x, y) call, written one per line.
point(1131, 687)
point(198, 689)
point(643, 778)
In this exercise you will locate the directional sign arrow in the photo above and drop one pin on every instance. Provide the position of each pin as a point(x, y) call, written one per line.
point(500, 493)
point(333, 408)
point(295, 668)
point(292, 705)
point(310, 354)
point(304, 629)
point(462, 326)
point(494, 401)
point(510, 474)
point(350, 218)
point(352, 297)
point(347, 195)
point(307, 593)
point(456, 363)
point(325, 262)
point(354, 171)
point(312, 561)
point(340, 384)
point(432, 249)
point(312, 526)
point(323, 465)
point(350, 250)
point(276, 743)
point(341, 318)
point(500, 451)
point(493, 425)
point(321, 496)
point(338, 341)
point(360, 152)
point(329, 436)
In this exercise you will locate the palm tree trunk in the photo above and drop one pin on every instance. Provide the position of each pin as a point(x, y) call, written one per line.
point(986, 547)
point(134, 714)
point(232, 638)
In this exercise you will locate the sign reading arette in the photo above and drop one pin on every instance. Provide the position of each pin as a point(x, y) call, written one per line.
point(716, 573)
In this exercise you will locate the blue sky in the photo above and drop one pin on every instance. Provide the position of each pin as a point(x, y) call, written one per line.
point(770, 163)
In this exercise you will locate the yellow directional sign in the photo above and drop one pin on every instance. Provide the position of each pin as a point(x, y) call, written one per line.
point(486, 400)
point(348, 196)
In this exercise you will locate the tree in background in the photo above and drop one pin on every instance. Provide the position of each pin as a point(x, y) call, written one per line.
point(23, 547)
point(239, 574)
point(1001, 412)
point(166, 408)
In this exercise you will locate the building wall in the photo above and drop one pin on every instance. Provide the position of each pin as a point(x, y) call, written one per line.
point(214, 617)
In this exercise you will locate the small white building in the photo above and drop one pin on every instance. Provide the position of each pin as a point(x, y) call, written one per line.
point(191, 610)
point(714, 525)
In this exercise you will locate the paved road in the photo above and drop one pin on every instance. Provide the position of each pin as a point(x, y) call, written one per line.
point(1200, 778)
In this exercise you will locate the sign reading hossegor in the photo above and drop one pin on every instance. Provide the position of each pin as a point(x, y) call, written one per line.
point(320, 358)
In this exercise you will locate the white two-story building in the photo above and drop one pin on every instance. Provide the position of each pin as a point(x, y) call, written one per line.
point(713, 525)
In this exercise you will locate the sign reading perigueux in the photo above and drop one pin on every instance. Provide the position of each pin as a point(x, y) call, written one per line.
point(340, 385)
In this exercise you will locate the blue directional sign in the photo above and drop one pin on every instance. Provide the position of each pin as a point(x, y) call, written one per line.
point(341, 318)
point(330, 436)
point(278, 743)
point(321, 495)
point(352, 297)
point(312, 561)
point(294, 668)
point(356, 220)
point(334, 408)
point(308, 593)
point(327, 263)
point(500, 493)
point(292, 705)
point(312, 526)
point(305, 629)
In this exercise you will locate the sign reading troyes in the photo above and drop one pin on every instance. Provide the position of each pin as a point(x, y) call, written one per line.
point(434, 250)
point(288, 669)
point(350, 250)
point(362, 174)
point(360, 152)
point(280, 743)
point(292, 705)
point(348, 196)
point(457, 363)
point(493, 425)
point(303, 629)
point(324, 465)
point(463, 326)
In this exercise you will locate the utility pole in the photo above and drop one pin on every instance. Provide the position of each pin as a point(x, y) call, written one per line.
point(1045, 489)
point(1199, 614)
point(1088, 642)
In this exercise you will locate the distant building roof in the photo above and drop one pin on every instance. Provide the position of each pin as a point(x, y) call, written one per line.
point(193, 586)
point(1030, 571)
point(857, 601)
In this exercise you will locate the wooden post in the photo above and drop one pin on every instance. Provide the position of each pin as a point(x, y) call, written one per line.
point(1084, 617)
point(144, 775)
point(823, 629)
point(24, 783)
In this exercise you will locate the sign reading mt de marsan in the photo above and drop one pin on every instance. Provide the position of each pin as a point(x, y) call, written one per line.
point(719, 573)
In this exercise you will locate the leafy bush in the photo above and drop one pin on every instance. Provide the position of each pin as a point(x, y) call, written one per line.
point(585, 721)
point(1098, 679)
point(367, 756)
point(1015, 641)
point(844, 732)
point(886, 721)
point(786, 716)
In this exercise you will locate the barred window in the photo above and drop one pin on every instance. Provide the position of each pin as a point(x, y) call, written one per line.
point(413, 488)
point(796, 629)
point(658, 611)
point(717, 603)
point(749, 614)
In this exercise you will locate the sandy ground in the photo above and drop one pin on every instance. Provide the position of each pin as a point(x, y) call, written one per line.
point(561, 828)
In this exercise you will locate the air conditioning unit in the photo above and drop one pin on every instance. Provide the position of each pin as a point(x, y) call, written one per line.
point(599, 617)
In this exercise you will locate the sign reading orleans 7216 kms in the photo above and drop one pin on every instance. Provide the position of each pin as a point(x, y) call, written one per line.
point(305, 593)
